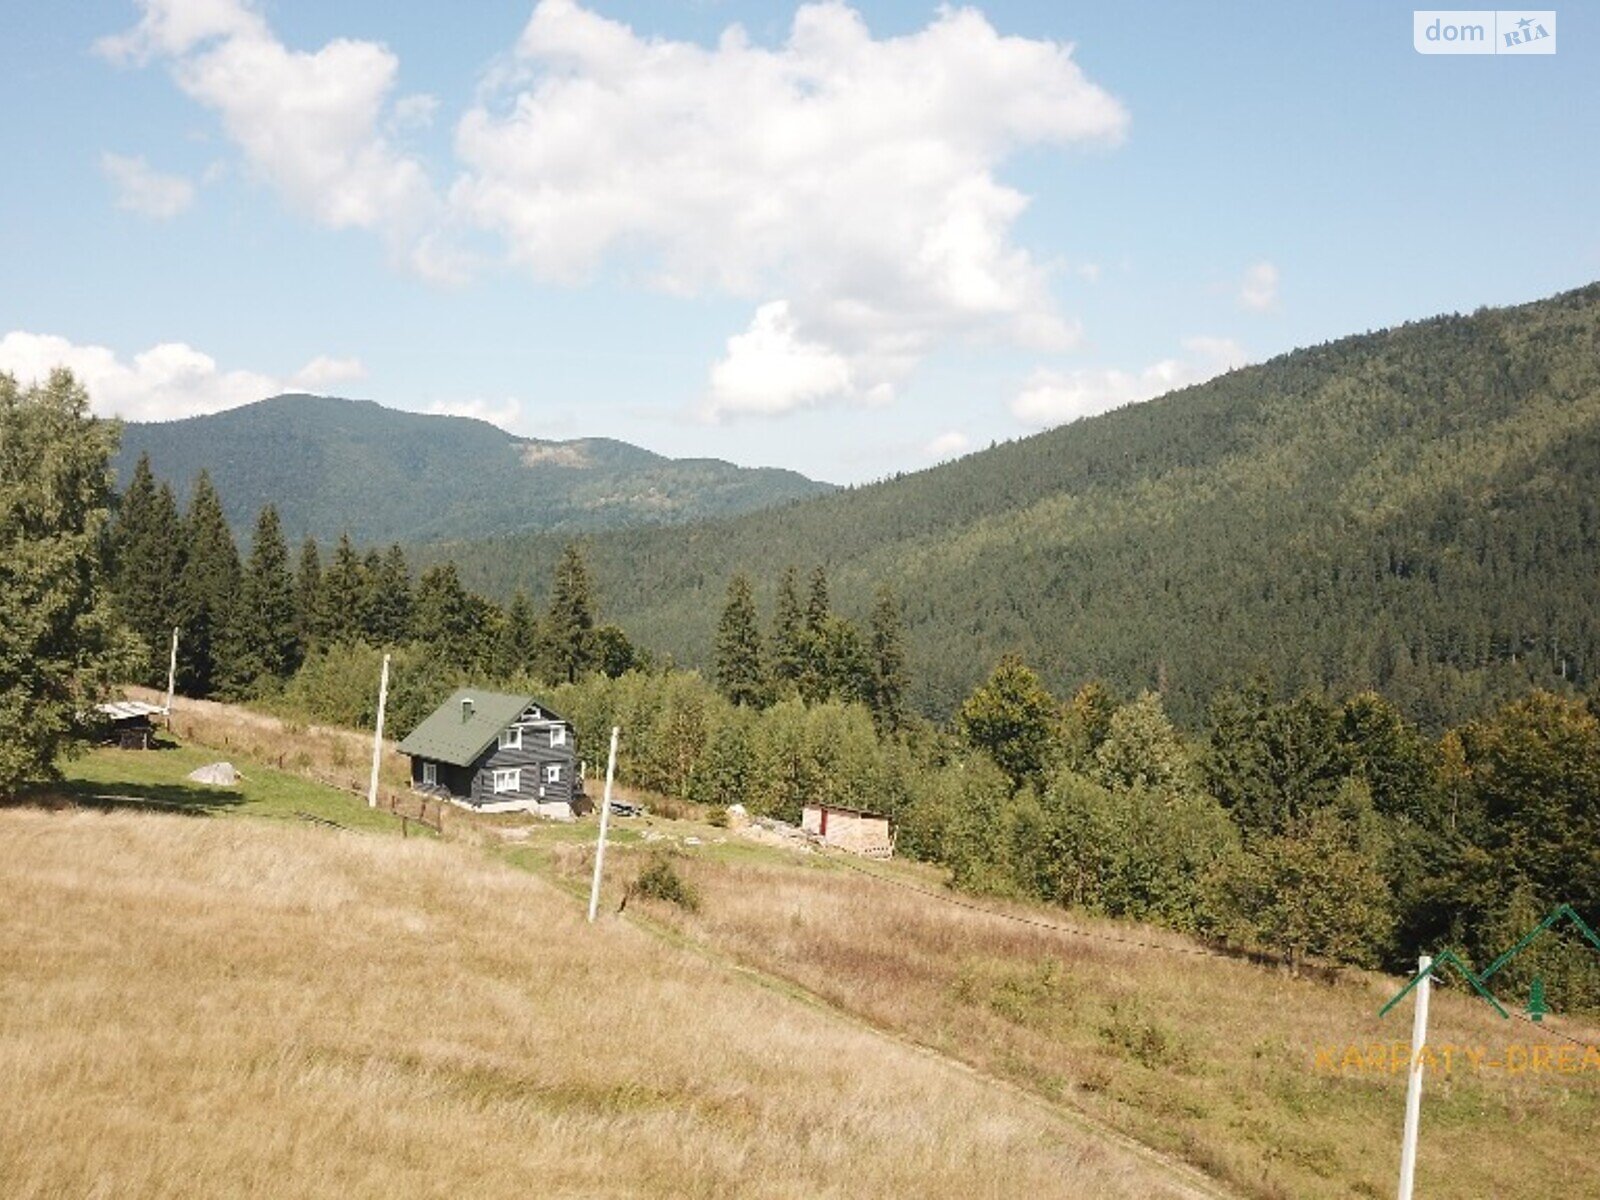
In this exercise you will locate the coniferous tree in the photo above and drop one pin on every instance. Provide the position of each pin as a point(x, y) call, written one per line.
point(569, 625)
point(817, 672)
point(888, 652)
point(208, 592)
point(148, 551)
point(519, 638)
point(739, 669)
point(264, 649)
point(444, 617)
point(58, 644)
point(386, 615)
point(788, 635)
point(343, 589)
point(308, 595)
point(615, 655)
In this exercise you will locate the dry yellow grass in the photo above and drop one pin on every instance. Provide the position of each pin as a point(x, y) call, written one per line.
point(1212, 1059)
point(209, 1008)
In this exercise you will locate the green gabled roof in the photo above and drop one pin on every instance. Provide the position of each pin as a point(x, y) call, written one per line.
point(447, 737)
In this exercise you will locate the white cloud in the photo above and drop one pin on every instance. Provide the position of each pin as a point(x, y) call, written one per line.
point(144, 190)
point(324, 370)
point(504, 413)
point(1259, 291)
point(852, 176)
point(163, 383)
point(848, 180)
point(770, 368)
point(309, 124)
point(948, 445)
point(1055, 397)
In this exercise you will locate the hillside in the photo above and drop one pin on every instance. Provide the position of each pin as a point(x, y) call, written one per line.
point(332, 465)
point(236, 1008)
point(1416, 509)
point(233, 1003)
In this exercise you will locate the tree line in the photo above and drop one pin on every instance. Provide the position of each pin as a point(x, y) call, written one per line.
point(248, 624)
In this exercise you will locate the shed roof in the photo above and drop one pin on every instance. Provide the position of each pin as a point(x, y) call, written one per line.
point(457, 735)
point(128, 710)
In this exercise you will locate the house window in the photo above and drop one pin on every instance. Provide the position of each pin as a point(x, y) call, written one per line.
point(430, 774)
point(552, 773)
point(507, 779)
point(511, 739)
point(558, 735)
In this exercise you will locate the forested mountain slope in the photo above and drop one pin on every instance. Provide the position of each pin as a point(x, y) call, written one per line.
point(1416, 509)
point(334, 465)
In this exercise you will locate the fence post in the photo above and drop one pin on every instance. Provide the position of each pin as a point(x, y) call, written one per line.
point(1419, 1037)
point(605, 812)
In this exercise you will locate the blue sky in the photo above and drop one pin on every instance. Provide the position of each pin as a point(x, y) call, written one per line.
point(846, 240)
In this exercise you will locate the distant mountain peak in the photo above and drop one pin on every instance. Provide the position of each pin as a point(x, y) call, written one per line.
point(332, 464)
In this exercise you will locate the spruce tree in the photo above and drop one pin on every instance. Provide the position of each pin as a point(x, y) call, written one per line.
point(739, 670)
point(569, 626)
point(59, 649)
point(888, 656)
point(443, 619)
point(147, 543)
point(343, 588)
point(386, 605)
point(208, 591)
point(265, 648)
point(817, 669)
point(308, 595)
point(788, 635)
point(519, 638)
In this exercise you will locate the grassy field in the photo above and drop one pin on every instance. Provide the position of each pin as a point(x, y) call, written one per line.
point(1241, 1069)
point(254, 1008)
point(446, 1010)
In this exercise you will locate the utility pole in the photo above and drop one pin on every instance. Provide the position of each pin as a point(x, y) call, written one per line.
point(605, 813)
point(1419, 1038)
point(172, 676)
point(377, 734)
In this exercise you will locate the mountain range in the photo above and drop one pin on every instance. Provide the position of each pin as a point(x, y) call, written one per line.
point(333, 465)
point(1416, 510)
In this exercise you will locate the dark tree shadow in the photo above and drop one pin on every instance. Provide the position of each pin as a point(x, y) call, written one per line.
point(193, 800)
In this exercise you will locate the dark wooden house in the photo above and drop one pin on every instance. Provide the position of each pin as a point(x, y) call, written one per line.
point(491, 752)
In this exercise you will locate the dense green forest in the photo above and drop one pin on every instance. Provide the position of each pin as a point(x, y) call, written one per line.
point(1415, 510)
point(331, 466)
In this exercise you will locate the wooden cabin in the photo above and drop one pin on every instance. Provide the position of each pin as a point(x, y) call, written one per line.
point(491, 752)
point(851, 829)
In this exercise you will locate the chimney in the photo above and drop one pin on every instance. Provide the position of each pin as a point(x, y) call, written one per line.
point(466, 710)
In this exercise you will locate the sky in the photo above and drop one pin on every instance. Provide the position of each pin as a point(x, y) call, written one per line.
point(850, 240)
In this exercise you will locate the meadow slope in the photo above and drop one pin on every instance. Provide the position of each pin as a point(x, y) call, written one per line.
point(197, 1007)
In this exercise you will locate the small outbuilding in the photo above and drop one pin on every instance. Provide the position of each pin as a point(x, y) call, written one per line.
point(493, 752)
point(130, 723)
point(852, 829)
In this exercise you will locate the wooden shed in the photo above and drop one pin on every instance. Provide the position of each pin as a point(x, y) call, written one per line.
point(492, 752)
point(129, 723)
point(851, 829)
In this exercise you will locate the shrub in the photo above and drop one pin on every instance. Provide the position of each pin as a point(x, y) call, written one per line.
point(660, 881)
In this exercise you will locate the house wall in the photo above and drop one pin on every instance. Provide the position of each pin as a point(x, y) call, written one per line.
point(860, 833)
point(458, 780)
point(535, 754)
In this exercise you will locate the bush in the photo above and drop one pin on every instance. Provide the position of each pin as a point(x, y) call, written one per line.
point(660, 881)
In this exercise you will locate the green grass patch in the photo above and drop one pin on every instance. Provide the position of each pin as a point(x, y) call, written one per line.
point(157, 780)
